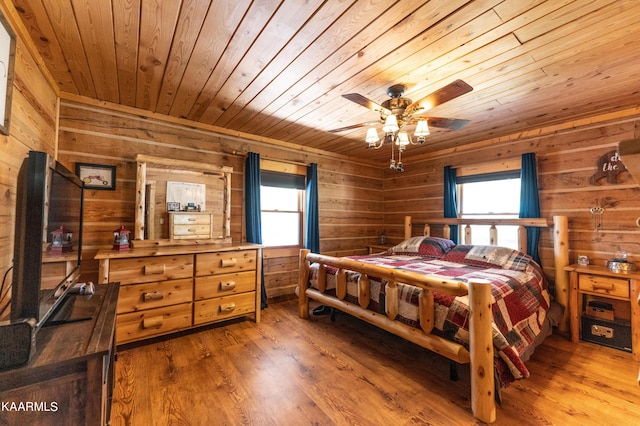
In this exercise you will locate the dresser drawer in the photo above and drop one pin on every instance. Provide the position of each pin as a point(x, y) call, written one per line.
point(152, 322)
point(224, 284)
point(149, 269)
point(189, 225)
point(225, 261)
point(211, 310)
point(190, 231)
point(604, 285)
point(190, 218)
point(154, 295)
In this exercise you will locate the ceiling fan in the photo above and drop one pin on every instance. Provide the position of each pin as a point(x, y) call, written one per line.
point(406, 111)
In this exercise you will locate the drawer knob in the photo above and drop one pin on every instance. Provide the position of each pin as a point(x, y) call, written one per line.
point(153, 322)
point(602, 286)
point(227, 285)
point(191, 219)
point(152, 295)
point(153, 269)
point(228, 263)
point(227, 308)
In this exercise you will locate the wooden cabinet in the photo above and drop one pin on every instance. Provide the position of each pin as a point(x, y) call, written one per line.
point(597, 286)
point(69, 381)
point(378, 248)
point(173, 288)
point(190, 225)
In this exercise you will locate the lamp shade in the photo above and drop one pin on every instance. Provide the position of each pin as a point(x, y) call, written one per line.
point(391, 124)
point(372, 135)
point(403, 139)
point(422, 129)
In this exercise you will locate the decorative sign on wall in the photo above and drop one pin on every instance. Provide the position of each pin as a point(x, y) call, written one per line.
point(189, 196)
point(609, 167)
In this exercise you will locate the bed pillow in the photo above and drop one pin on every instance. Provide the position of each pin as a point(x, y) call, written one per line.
point(489, 257)
point(423, 246)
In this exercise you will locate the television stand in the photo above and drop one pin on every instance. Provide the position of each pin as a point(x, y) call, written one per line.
point(70, 378)
point(75, 307)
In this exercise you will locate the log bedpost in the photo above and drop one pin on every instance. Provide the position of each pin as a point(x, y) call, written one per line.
point(481, 350)
point(303, 284)
point(408, 226)
point(392, 299)
point(561, 259)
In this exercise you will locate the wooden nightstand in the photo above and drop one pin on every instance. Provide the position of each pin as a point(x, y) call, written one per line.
point(619, 289)
point(378, 248)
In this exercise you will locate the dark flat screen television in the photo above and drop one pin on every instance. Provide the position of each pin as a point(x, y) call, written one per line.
point(49, 214)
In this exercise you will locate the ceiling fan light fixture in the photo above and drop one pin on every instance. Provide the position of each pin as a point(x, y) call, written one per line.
point(391, 124)
point(372, 138)
point(399, 111)
point(402, 140)
point(422, 131)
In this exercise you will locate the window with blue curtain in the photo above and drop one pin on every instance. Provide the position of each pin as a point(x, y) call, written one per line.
point(524, 193)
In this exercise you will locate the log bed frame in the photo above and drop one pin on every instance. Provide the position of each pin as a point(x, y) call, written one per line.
point(480, 354)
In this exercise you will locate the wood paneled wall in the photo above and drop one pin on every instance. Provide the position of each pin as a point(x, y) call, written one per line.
point(567, 158)
point(357, 201)
point(350, 194)
point(33, 123)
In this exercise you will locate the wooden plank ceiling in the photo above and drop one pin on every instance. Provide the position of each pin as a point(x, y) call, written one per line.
point(278, 69)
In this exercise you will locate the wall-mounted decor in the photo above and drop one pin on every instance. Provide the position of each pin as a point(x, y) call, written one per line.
point(609, 167)
point(7, 60)
point(97, 176)
point(190, 195)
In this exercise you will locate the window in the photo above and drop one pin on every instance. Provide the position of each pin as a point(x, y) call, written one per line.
point(282, 213)
point(491, 195)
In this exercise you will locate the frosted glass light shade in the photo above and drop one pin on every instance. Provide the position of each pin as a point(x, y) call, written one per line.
point(422, 129)
point(372, 135)
point(391, 124)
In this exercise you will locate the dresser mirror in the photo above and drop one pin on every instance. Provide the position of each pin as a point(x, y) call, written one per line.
point(181, 201)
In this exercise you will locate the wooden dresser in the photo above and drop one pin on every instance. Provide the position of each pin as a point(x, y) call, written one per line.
point(69, 380)
point(172, 288)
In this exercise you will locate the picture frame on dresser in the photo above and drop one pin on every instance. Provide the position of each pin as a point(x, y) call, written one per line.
point(7, 63)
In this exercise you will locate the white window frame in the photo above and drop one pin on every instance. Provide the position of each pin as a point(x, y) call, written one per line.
point(507, 235)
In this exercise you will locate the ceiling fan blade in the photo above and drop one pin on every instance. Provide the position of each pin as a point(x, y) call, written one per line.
point(440, 96)
point(445, 123)
point(354, 126)
point(365, 102)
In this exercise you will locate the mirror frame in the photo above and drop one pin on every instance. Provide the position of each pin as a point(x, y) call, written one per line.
point(144, 161)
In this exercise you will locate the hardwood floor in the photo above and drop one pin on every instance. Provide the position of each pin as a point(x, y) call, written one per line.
point(288, 371)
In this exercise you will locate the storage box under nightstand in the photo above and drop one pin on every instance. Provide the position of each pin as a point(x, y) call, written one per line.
point(614, 334)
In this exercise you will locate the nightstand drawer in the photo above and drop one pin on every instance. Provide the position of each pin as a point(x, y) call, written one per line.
point(604, 285)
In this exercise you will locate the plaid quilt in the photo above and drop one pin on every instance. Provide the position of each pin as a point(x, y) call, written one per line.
point(519, 289)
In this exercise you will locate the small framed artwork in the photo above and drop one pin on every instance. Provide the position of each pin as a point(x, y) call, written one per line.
point(7, 60)
point(97, 176)
point(173, 207)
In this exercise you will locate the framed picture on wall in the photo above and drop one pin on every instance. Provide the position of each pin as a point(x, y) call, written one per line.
point(97, 176)
point(7, 61)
